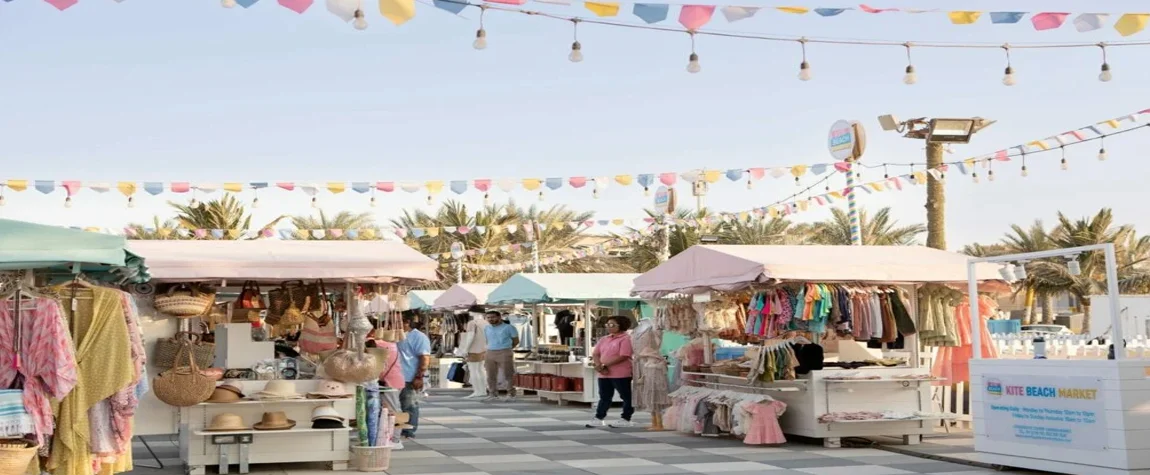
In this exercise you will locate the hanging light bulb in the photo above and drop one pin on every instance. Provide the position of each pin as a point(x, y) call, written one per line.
point(1024, 172)
point(1105, 75)
point(314, 203)
point(974, 177)
point(360, 22)
point(1073, 266)
point(750, 185)
point(481, 34)
point(131, 202)
point(3, 201)
point(372, 201)
point(646, 191)
point(595, 193)
point(194, 203)
point(256, 202)
point(804, 67)
point(540, 196)
point(797, 182)
point(68, 202)
point(228, 3)
point(430, 200)
point(990, 175)
point(693, 64)
point(1102, 150)
point(576, 48)
point(911, 77)
point(1064, 165)
point(486, 199)
point(1008, 76)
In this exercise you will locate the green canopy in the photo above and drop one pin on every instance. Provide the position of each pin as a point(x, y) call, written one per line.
point(37, 246)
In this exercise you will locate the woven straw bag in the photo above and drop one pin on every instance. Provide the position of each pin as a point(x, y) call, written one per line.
point(183, 301)
point(15, 455)
point(351, 364)
point(170, 350)
point(183, 386)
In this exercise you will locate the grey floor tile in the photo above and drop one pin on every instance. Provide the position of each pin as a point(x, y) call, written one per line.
point(518, 466)
point(558, 453)
point(821, 462)
point(655, 470)
point(558, 471)
point(597, 455)
point(404, 469)
point(469, 452)
point(691, 458)
point(935, 467)
point(770, 457)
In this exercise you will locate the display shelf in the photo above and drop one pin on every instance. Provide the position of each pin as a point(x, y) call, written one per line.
point(744, 378)
point(257, 431)
point(913, 419)
point(279, 401)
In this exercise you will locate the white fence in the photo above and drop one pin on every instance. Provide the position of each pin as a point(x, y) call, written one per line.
point(1013, 346)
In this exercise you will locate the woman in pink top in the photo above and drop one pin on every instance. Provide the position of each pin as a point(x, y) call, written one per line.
point(612, 357)
point(392, 375)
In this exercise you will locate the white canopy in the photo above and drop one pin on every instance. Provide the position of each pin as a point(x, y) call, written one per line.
point(555, 288)
point(461, 296)
point(274, 261)
point(724, 268)
point(418, 300)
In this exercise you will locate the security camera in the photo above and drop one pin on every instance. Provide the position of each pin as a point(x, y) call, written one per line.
point(888, 122)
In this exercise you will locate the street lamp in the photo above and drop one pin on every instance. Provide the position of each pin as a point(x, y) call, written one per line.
point(937, 133)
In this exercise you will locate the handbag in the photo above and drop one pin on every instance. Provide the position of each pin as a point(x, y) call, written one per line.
point(457, 373)
point(355, 366)
point(184, 301)
point(183, 386)
point(320, 313)
point(281, 299)
point(170, 350)
point(317, 338)
point(249, 304)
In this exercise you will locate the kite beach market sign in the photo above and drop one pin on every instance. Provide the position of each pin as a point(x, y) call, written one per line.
point(1044, 410)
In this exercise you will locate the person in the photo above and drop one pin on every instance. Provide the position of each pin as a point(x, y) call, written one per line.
point(500, 360)
point(414, 358)
point(612, 359)
point(565, 323)
point(474, 350)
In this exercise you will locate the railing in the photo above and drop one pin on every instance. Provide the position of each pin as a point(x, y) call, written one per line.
point(1015, 346)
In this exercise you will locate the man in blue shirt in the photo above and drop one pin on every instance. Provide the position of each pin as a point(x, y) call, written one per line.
point(501, 339)
point(414, 358)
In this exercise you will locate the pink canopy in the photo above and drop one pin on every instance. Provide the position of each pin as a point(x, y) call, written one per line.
point(461, 296)
point(724, 268)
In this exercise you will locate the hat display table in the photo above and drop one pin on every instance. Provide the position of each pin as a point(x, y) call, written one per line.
point(223, 434)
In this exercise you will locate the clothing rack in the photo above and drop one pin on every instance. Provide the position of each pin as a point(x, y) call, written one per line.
point(741, 388)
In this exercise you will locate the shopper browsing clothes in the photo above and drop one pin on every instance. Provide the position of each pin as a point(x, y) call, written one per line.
point(414, 358)
point(501, 339)
point(612, 359)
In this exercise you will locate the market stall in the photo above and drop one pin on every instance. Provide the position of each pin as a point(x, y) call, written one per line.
point(462, 296)
point(1075, 413)
point(787, 303)
point(70, 359)
point(292, 378)
point(421, 300)
point(561, 372)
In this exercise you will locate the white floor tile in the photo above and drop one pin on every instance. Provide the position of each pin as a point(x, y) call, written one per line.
point(543, 443)
point(745, 450)
point(855, 470)
point(640, 447)
point(605, 463)
point(478, 459)
point(415, 454)
point(454, 441)
point(725, 467)
point(853, 453)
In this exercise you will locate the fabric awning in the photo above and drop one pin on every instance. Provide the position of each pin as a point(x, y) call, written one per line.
point(420, 299)
point(562, 288)
point(461, 296)
point(276, 261)
point(26, 245)
point(724, 268)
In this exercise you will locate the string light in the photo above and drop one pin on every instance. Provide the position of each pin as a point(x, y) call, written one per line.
point(693, 60)
point(486, 199)
point(974, 176)
point(646, 191)
point(430, 200)
point(804, 67)
point(68, 202)
point(911, 77)
point(194, 203)
point(256, 202)
point(1102, 150)
point(314, 202)
point(1008, 77)
point(360, 22)
point(750, 184)
point(131, 202)
point(480, 34)
point(1024, 172)
point(372, 203)
point(1105, 75)
point(1064, 165)
point(576, 48)
point(595, 193)
point(540, 196)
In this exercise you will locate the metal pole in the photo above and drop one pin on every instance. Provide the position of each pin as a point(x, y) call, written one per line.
point(1115, 315)
point(665, 252)
point(852, 208)
point(935, 198)
point(975, 320)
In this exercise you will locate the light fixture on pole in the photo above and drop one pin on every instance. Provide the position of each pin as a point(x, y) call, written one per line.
point(1020, 270)
point(1007, 272)
point(1073, 266)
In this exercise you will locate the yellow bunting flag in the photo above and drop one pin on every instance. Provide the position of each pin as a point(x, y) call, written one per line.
point(795, 10)
point(968, 162)
point(234, 233)
point(617, 222)
point(876, 186)
point(773, 212)
point(1039, 144)
point(798, 170)
point(623, 179)
point(712, 176)
point(603, 9)
point(233, 187)
point(838, 195)
point(397, 11)
point(434, 187)
point(302, 234)
point(368, 233)
point(1113, 123)
point(336, 187)
point(164, 232)
point(432, 232)
point(963, 18)
point(1131, 23)
point(18, 185)
point(531, 184)
point(919, 178)
point(445, 255)
point(128, 188)
point(804, 204)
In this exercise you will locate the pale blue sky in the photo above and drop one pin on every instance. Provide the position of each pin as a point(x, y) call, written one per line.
point(167, 91)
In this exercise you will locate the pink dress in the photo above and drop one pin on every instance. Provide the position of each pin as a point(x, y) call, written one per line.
point(47, 359)
point(764, 427)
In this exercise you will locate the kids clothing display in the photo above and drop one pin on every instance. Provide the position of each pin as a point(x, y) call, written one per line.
point(712, 413)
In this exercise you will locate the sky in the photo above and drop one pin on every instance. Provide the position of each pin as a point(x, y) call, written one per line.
point(189, 91)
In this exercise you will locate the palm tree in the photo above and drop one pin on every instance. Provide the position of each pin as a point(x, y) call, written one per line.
point(1033, 239)
point(761, 232)
point(158, 230)
point(225, 213)
point(984, 250)
point(1053, 275)
point(881, 230)
point(646, 252)
point(343, 220)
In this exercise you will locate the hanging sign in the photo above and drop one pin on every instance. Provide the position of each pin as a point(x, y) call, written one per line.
point(664, 200)
point(847, 140)
point(1066, 412)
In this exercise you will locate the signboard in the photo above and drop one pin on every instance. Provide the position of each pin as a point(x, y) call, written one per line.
point(847, 140)
point(664, 200)
point(1044, 410)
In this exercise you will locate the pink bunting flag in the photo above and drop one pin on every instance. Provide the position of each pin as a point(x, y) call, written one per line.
point(62, 4)
point(577, 181)
point(1048, 20)
point(894, 180)
point(1002, 156)
point(668, 179)
point(842, 167)
point(180, 186)
point(298, 6)
point(870, 9)
point(693, 17)
point(757, 173)
point(268, 232)
point(385, 186)
point(286, 186)
point(482, 184)
point(71, 186)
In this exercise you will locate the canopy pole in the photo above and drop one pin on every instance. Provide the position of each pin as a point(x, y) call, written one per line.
point(588, 325)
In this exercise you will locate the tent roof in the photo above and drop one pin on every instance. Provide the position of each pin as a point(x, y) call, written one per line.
point(722, 268)
point(461, 296)
point(539, 288)
point(26, 245)
point(274, 261)
point(421, 299)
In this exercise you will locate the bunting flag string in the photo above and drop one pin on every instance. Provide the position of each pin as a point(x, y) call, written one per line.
point(566, 256)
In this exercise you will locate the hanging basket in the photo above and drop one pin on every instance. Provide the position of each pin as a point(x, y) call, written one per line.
point(183, 386)
point(15, 455)
point(183, 301)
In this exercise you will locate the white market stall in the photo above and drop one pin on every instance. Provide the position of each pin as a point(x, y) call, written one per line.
point(230, 263)
point(1075, 413)
point(462, 296)
point(422, 300)
point(703, 270)
point(583, 292)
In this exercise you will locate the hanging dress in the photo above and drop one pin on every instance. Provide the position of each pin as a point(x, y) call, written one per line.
point(650, 387)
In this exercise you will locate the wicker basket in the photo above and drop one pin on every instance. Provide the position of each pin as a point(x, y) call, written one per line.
point(183, 386)
point(15, 455)
point(371, 459)
point(183, 301)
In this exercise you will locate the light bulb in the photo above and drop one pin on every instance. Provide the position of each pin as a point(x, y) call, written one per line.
point(194, 203)
point(1102, 154)
point(486, 199)
point(750, 184)
point(480, 39)
point(68, 202)
point(256, 203)
point(1008, 77)
point(595, 193)
point(372, 201)
point(3, 201)
point(646, 191)
point(990, 175)
point(1105, 75)
point(805, 71)
point(1073, 266)
point(540, 196)
point(1064, 165)
point(430, 200)
point(228, 3)
point(131, 202)
point(314, 203)
point(911, 78)
point(693, 64)
point(576, 52)
point(1024, 172)
point(974, 177)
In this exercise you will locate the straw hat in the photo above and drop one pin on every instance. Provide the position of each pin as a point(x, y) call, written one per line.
point(274, 421)
point(330, 390)
point(277, 390)
point(326, 417)
point(226, 422)
point(225, 393)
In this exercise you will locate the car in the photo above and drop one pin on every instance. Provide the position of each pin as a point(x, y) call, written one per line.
point(1046, 330)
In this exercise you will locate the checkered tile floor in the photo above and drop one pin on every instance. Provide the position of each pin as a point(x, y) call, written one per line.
point(464, 437)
